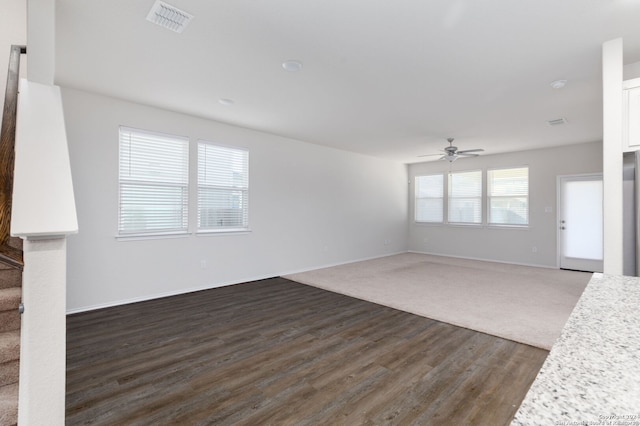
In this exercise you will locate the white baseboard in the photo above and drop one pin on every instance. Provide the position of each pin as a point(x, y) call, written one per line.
point(330, 265)
point(484, 260)
point(160, 295)
point(284, 273)
point(209, 286)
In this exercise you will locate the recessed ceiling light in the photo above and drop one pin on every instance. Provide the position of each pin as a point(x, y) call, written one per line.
point(226, 102)
point(558, 84)
point(169, 16)
point(292, 66)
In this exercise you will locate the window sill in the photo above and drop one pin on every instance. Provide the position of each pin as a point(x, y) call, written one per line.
point(514, 227)
point(453, 225)
point(150, 236)
point(475, 225)
point(220, 232)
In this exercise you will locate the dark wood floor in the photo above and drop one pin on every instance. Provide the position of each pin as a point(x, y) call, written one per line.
point(278, 352)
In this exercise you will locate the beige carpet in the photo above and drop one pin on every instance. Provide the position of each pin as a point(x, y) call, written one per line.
point(525, 304)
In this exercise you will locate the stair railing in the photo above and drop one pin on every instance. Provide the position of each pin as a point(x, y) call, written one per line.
point(8, 254)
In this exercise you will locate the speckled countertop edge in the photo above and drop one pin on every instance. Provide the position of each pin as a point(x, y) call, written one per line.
point(592, 374)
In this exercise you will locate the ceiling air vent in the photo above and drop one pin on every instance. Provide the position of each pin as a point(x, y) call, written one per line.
point(169, 16)
point(557, 121)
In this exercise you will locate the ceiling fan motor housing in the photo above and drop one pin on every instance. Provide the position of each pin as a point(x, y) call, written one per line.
point(451, 152)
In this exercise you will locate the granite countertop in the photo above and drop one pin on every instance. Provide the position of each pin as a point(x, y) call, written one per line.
point(592, 374)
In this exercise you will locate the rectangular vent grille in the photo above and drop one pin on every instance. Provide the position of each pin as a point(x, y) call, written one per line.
point(557, 121)
point(169, 16)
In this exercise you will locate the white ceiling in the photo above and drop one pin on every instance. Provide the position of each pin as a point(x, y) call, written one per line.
point(386, 78)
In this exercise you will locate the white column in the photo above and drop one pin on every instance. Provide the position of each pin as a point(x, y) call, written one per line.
point(43, 333)
point(612, 66)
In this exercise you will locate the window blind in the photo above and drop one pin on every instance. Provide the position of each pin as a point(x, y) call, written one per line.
point(508, 196)
point(465, 197)
point(429, 198)
point(223, 188)
point(153, 182)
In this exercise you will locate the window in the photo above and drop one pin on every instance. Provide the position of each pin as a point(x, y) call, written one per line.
point(508, 196)
point(429, 195)
point(223, 188)
point(465, 197)
point(153, 183)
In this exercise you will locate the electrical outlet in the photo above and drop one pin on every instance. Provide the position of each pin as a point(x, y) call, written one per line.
point(534, 249)
point(203, 264)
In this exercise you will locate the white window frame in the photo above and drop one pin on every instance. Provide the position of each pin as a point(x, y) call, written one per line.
point(517, 193)
point(153, 170)
point(452, 200)
point(428, 199)
point(233, 179)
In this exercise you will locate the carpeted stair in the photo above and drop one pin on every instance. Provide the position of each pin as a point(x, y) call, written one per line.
point(10, 298)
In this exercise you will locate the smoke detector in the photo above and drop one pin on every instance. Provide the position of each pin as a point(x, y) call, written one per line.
point(169, 17)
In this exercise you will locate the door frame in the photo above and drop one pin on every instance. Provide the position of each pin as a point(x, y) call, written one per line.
point(559, 179)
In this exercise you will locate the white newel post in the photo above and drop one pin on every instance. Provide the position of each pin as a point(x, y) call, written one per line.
point(43, 333)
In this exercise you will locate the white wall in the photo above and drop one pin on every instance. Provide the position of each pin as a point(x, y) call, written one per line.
point(503, 244)
point(13, 30)
point(310, 206)
point(630, 71)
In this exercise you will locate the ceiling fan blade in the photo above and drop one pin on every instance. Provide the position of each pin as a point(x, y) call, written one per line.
point(467, 154)
point(470, 150)
point(428, 155)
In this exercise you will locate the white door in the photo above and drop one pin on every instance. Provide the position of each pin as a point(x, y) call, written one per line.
point(580, 223)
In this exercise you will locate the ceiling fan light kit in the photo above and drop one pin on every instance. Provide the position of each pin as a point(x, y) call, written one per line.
point(451, 152)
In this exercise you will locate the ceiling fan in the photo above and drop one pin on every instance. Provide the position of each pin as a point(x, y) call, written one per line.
point(451, 152)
